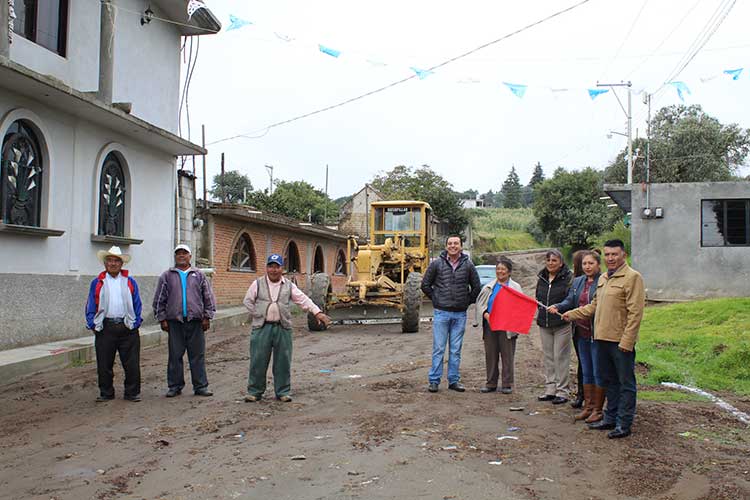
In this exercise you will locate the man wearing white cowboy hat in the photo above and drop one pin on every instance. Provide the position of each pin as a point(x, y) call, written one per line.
point(113, 313)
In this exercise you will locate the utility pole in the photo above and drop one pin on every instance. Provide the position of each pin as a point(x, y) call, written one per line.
point(325, 207)
point(223, 186)
point(203, 143)
point(629, 114)
point(270, 173)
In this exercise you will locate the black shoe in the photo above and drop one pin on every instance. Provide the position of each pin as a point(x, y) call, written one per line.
point(559, 400)
point(618, 433)
point(134, 399)
point(546, 397)
point(601, 425)
point(203, 392)
point(102, 399)
point(485, 390)
point(173, 392)
point(433, 388)
point(457, 386)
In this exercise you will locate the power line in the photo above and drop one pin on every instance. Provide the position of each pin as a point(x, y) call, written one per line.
point(403, 80)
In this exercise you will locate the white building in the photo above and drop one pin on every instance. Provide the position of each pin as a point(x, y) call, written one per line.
point(89, 97)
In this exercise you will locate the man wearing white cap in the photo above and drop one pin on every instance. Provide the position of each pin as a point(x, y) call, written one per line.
point(113, 313)
point(184, 306)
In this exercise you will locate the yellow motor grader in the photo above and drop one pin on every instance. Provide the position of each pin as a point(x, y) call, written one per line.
point(385, 282)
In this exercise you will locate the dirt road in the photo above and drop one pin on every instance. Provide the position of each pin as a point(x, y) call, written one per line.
point(366, 427)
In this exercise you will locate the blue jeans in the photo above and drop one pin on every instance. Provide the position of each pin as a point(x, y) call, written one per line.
point(617, 369)
point(447, 328)
point(588, 353)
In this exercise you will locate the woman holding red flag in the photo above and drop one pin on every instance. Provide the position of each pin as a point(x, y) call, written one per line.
point(497, 344)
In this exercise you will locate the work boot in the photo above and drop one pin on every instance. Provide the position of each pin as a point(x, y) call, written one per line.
point(588, 407)
point(597, 403)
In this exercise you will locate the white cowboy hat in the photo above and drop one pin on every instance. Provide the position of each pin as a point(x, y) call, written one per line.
point(114, 251)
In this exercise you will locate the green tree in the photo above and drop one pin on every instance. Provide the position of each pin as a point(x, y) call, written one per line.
point(511, 190)
point(300, 200)
point(568, 209)
point(687, 145)
point(536, 178)
point(233, 187)
point(423, 183)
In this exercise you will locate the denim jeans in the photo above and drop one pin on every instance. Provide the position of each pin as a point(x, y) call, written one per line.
point(588, 357)
point(447, 328)
point(617, 369)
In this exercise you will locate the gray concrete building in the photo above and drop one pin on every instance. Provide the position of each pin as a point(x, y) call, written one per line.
point(689, 240)
point(89, 98)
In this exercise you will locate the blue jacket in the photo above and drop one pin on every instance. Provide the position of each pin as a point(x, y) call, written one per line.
point(574, 294)
point(93, 307)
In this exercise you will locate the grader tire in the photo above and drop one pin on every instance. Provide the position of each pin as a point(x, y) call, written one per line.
point(320, 285)
point(412, 303)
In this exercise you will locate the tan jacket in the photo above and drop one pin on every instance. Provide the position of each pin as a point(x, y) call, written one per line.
point(619, 303)
point(484, 298)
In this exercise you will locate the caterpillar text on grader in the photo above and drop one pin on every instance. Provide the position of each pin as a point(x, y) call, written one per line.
point(385, 283)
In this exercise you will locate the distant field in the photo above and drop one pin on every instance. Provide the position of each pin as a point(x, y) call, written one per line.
point(704, 343)
point(502, 229)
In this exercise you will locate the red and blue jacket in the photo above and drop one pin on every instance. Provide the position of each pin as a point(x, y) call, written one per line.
point(92, 304)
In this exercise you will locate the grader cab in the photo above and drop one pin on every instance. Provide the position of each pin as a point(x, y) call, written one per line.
point(385, 282)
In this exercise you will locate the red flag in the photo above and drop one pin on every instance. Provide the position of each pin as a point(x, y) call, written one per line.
point(512, 311)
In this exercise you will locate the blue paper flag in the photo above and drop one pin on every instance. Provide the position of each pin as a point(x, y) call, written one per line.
point(594, 93)
point(734, 73)
point(236, 23)
point(681, 88)
point(331, 52)
point(421, 73)
point(518, 90)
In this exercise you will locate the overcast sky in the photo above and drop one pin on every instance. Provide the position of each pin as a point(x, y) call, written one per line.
point(461, 120)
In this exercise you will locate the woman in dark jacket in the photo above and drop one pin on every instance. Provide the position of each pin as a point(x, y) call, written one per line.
point(581, 293)
point(552, 287)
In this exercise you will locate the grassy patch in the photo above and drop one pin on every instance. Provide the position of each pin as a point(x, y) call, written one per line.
point(704, 343)
point(669, 396)
point(502, 229)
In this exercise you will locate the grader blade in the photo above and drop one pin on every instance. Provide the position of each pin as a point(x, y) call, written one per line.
point(364, 314)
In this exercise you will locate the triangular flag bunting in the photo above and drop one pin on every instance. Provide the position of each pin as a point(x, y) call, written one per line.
point(517, 89)
point(681, 88)
point(421, 73)
point(327, 50)
point(236, 23)
point(594, 93)
point(734, 73)
point(512, 311)
point(193, 6)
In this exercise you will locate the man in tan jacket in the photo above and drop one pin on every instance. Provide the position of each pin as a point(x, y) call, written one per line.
point(617, 310)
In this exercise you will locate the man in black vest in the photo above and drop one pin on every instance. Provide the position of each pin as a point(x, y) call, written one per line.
point(269, 299)
point(452, 283)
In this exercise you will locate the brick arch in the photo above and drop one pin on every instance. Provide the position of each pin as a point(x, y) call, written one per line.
point(234, 259)
point(319, 260)
point(292, 260)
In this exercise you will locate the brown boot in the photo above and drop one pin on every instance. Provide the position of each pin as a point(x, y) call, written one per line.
point(588, 394)
point(597, 404)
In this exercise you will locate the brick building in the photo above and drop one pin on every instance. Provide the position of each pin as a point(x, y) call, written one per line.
point(235, 241)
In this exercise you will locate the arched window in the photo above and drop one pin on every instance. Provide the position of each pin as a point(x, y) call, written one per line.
point(291, 258)
point(243, 255)
point(319, 261)
point(21, 176)
point(340, 262)
point(112, 197)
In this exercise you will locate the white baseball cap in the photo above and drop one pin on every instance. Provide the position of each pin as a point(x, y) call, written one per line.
point(182, 246)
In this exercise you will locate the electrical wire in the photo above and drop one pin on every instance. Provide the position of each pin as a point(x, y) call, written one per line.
point(403, 80)
point(627, 37)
